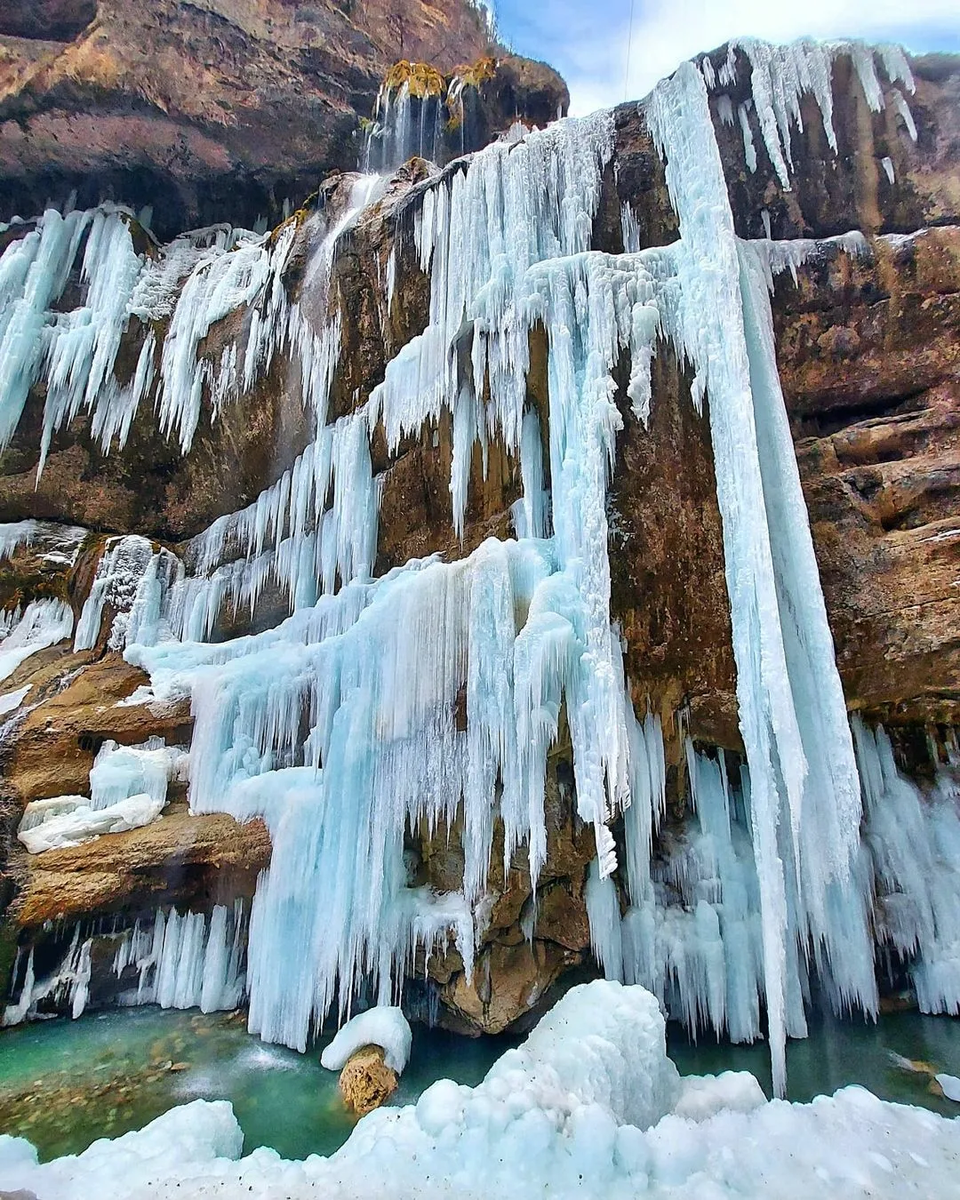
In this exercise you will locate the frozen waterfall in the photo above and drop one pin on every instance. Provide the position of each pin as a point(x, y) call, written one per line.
point(339, 725)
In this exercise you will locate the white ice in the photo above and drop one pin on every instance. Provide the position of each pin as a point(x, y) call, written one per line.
point(380, 1026)
point(43, 624)
point(61, 826)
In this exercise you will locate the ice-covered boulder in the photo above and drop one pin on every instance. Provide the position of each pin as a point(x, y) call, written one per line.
point(380, 1026)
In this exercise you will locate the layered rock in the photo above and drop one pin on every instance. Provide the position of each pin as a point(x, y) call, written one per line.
point(226, 110)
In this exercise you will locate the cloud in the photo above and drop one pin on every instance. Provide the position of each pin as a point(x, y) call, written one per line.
point(588, 43)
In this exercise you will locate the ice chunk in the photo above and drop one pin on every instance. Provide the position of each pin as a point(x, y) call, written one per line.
point(381, 1026)
point(63, 825)
point(950, 1085)
point(122, 771)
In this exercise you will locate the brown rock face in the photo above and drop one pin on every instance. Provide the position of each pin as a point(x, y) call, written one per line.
point(216, 111)
point(366, 1081)
point(870, 364)
point(193, 861)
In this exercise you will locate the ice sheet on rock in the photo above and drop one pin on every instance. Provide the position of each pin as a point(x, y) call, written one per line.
point(43, 623)
point(11, 701)
point(55, 544)
point(131, 582)
point(82, 823)
point(119, 772)
point(381, 1026)
point(16, 534)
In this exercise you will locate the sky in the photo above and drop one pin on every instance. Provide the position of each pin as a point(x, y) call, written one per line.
point(591, 45)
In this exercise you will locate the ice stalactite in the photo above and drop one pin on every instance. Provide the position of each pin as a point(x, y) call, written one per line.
point(792, 713)
point(782, 75)
point(914, 846)
point(176, 960)
point(188, 960)
point(42, 623)
point(68, 983)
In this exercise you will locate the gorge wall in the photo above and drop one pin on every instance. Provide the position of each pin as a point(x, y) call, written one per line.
point(221, 111)
point(283, 393)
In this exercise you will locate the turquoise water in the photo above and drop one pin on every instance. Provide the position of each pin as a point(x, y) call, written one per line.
point(65, 1083)
point(838, 1053)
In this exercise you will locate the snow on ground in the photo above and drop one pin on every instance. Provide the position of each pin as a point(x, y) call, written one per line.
point(589, 1106)
point(381, 1026)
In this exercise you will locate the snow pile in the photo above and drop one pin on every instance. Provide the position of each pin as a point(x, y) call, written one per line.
point(70, 821)
point(589, 1106)
point(381, 1026)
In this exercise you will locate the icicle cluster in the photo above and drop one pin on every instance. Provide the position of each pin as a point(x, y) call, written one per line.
point(189, 960)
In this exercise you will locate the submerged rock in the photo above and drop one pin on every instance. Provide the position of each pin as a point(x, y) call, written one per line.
point(366, 1081)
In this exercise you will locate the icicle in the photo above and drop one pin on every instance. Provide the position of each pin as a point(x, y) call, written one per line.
point(42, 624)
point(788, 688)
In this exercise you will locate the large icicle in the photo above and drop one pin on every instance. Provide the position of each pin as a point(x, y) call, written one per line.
point(787, 684)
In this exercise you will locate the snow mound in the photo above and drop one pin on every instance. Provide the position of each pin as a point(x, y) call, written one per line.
point(380, 1026)
point(704, 1096)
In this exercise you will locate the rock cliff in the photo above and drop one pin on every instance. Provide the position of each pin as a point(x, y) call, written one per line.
point(223, 110)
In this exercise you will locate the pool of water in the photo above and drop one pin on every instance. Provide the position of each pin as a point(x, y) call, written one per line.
point(895, 1057)
point(65, 1083)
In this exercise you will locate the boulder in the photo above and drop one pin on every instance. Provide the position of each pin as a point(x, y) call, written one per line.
point(366, 1081)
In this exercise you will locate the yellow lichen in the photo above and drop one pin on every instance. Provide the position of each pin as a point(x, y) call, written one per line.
point(420, 78)
point(469, 75)
point(475, 74)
